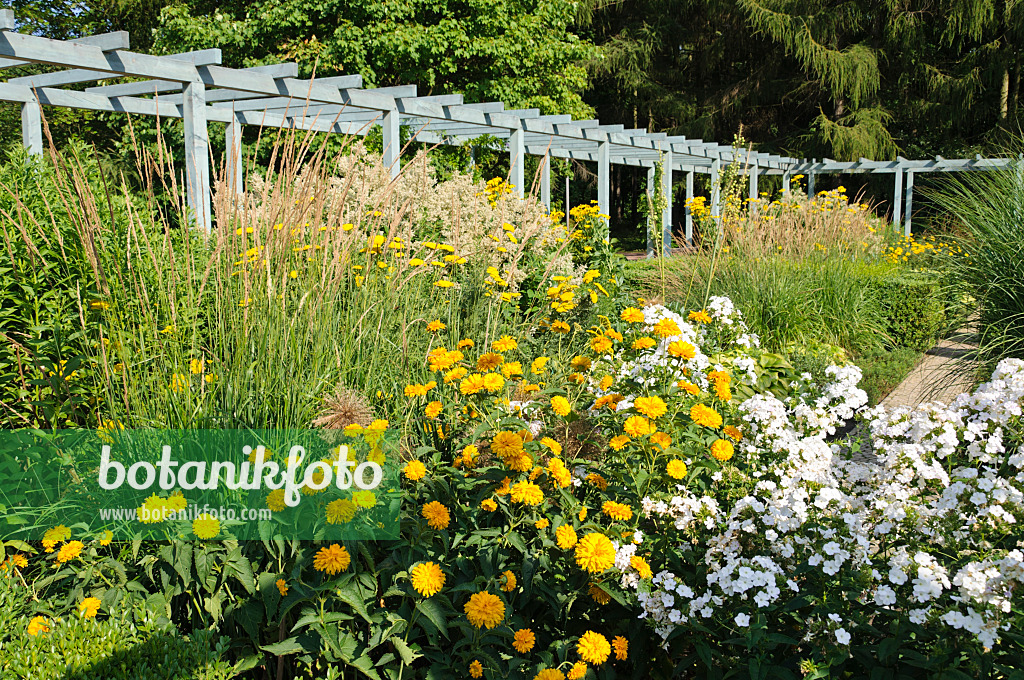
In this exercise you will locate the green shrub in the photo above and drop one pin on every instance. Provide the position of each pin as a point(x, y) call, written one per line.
point(912, 308)
point(884, 369)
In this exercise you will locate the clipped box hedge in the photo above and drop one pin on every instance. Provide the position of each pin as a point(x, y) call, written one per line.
point(913, 308)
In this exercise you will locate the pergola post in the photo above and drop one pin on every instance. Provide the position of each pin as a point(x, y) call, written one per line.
point(909, 196)
point(197, 153)
point(752, 190)
point(810, 185)
point(545, 181)
point(516, 159)
point(688, 214)
point(603, 179)
point(652, 173)
point(233, 149)
point(786, 182)
point(32, 127)
point(666, 214)
point(716, 189)
point(391, 127)
point(897, 199)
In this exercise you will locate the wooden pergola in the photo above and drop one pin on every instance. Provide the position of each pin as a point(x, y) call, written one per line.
point(194, 87)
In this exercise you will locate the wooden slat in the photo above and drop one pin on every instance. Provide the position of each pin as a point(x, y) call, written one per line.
point(117, 40)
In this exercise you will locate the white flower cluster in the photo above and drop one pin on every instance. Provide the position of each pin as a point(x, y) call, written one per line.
point(926, 527)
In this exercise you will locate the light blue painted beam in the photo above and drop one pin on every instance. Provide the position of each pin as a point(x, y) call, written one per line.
point(666, 214)
point(545, 181)
point(117, 40)
point(197, 155)
point(32, 127)
point(517, 163)
point(392, 131)
point(688, 219)
point(652, 172)
point(909, 197)
point(233, 160)
point(604, 179)
point(897, 199)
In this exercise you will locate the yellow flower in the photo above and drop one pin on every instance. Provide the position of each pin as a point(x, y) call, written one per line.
point(436, 515)
point(644, 343)
point(582, 514)
point(457, 374)
point(484, 610)
point(549, 674)
point(595, 553)
point(476, 669)
point(488, 361)
point(504, 344)
point(683, 350)
point(472, 384)
point(465, 342)
point(722, 450)
point(433, 409)
point(89, 606)
point(443, 284)
point(414, 470)
point(618, 442)
point(636, 426)
point(706, 416)
point(580, 363)
point(597, 480)
point(641, 566)
point(676, 469)
point(577, 672)
point(537, 367)
point(493, 382)
point(527, 492)
point(617, 511)
point(565, 536)
point(435, 326)
point(427, 578)
point(511, 369)
point(561, 406)
point(38, 625)
point(652, 407)
point(689, 387)
point(632, 315)
point(732, 432)
point(598, 594)
point(593, 648)
point(621, 647)
point(542, 523)
point(523, 640)
point(20, 561)
point(341, 511)
point(700, 317)
point(559, 327)
point(69, 551)
point(666, 328)
point(205, 526)
point(507, 581)
point(332, 559)
point(600, 344)
point(506, 444)
point(179, 382)
point(662, 439)
point(275, 500)
point(282, 587)
point(488, 504)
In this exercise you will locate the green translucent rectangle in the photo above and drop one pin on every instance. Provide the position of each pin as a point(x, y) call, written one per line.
point(110, 480)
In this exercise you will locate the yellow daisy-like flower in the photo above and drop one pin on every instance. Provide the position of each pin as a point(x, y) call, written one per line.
point(689, 387)
point(476, 669)
point(341, 511)
point(706, 416)
point(636, 426)
point(552, 445)
point(436, 515)
point(484, 610)
point(561, 406)
point(652, 407)
point(465, 342)
point(106, 537)
point(732, 432)
point(549, 674)
point(275, 500)
point(542, 523)
point(597, 480)
point(577, 672)
point(512, 369)
point(595, 553)
point(662, 439)
point(414, 470)
point(493, 382)
point(332, 559)
point(435, 326)
point(488, 504)
point(560, 327)
point(700, 317)
point(644, 343)
point(282, 586)
point(683, 350)
point(89, 607)
point(593, 648)
point(598, 594)
point(537, 367)
point(666, 328)
point(617, 511)
point(600, 344)
point(632, 315)
point(676, 469)
point(523, 640)
point(641, 566)
point(722, 391)
point(619, 442)
point(621, 647)
point(457, 374)
point(527, 492)
point(506, 444)
point(489, 361)
point(205, 526)
point(507, 581)
point(505, 343)
point(427, 578)
point(38, 625)
point(722, 450)
point(559, 473)
point(364, 498)
point(565, 537)
point(69, 551)
point(580, 363)
point(582, 514)
point(473, 383)
point(19, 560)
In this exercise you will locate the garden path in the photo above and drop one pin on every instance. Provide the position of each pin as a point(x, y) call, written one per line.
point(936, 376)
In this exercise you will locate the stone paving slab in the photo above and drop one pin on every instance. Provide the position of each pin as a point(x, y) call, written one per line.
point(937, 376)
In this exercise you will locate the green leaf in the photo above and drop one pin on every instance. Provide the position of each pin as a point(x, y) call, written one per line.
point(432, 609)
